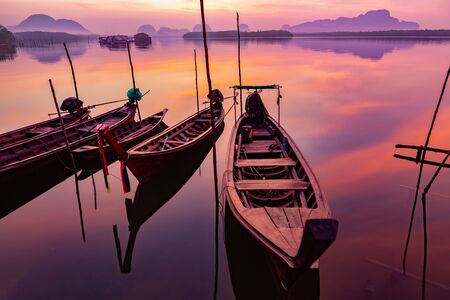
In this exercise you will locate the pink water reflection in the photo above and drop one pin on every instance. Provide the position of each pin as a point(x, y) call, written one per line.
point(345, 109)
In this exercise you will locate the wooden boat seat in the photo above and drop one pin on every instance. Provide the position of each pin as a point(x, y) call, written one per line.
point(261, 132)
point(260, 147)
point(271, 184)
point(268, 162)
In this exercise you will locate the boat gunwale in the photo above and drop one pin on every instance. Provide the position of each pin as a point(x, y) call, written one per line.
point(83, 118)
point(135, 153)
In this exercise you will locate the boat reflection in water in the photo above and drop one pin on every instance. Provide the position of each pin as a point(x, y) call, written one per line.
point(152, 195)
point(253, 273)
point(30, 186)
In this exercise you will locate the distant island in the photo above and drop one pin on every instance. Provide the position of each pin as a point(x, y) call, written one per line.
point(41, 22)
point(232, 34)
point(374, 20)
point(6, 38)
point(426, 33)
point(7, 44)
point(162, 32)
point(39, 38)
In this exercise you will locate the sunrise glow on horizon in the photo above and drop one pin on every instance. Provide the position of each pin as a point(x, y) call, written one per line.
point(119, 16)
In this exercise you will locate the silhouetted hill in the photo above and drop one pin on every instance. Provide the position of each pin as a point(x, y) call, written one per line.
point(244, 27)
point(6, 37)
point(374, 20)
point(198, 28)
point(148, 29)
point(427, 33)
point(232, 34)
point(170, 32)
point(41, 22)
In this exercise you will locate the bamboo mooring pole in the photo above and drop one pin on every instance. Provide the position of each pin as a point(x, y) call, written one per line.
point(132, 77)
point(73, 71)
point(196, 80)
point(239, 58)
point(234, 104)
point(279, 105)
point(422, 159)
point(216, 187)
point(71, 159)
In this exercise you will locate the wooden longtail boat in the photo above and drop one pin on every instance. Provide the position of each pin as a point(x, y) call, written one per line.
point(40, 129)
point(32, 156)
point(273, 193)
point(173, 145)
point(87, 156)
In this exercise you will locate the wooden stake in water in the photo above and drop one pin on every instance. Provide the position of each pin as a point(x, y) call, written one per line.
point(216, 187)
point(239, 57)
point(73, 72)
point(132, 77)
point(279, 104)
point(422, 159)
point(71, 159)
point(196, 79)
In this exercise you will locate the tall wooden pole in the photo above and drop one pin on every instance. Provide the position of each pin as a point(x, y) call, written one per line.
point(279, 105)
point(239, 58)
point(405, 252)
point(196, 80)
point(73, 72)
point(132, 77)
point(71, 159)
point(216, 186)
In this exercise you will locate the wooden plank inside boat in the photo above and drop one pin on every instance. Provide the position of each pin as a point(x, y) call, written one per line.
point(271, 184)
point(268, 162)
point(260, 147)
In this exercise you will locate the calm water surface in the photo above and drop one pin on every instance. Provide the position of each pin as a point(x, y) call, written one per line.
point(345, 102)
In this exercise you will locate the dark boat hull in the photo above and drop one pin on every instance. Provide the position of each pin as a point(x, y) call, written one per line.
point(91, 159)
point(257, 274)
point(146, 167)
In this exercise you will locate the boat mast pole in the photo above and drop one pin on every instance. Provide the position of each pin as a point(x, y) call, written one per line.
point(196, 79)
point(216, 188)
point(132, 77)
point(279, 104)
point(234, 104)
point(73, 71)
point(239, 58)
point(71, 159)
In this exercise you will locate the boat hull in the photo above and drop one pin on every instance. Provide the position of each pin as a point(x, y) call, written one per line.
point(258, 274)
point(90, 159)
point(146, 166)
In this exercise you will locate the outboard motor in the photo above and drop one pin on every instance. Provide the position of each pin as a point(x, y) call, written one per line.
point(71, 104)
point(217, 98)
point(256, 111)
